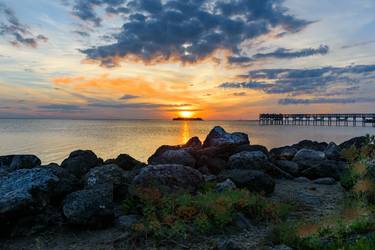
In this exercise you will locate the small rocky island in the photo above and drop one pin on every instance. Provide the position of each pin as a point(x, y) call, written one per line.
point(224, 193)
point(187, 119)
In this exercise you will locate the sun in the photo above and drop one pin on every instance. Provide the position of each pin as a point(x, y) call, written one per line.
point(186, 114)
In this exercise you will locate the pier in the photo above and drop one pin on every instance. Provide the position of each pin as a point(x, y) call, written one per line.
point(318, 119)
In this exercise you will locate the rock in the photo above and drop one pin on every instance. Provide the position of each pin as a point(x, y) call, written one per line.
point(251, 148)
point(225, 185)
point(255, 160)
point(301, 179)
point(241, 222)
point(309, 155)
point(228, 245)
point(126, 222)
point(276, 172)
point(288, 166)
point(281, 247)
point(80, 162)
point(168, 179)
point(175, 156)
point(358, 142)
point(327, 168)
point(208, 178)
point(124, 161)
point(11, 163)
point(24, 194)
point(253, 180)
point(90, 208)
point(283, 153)
point(219, 137)
point(214, 165)
point(333, 152)
point(325, 181)
point(193, 142)
point(313, 145)
point(111, 175)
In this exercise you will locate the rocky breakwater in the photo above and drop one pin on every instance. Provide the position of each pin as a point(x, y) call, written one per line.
point(86, 192)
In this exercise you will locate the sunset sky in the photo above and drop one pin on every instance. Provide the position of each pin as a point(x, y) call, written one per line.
point(218, 59)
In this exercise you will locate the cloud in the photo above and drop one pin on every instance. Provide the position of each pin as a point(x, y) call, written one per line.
point(305, 81)
point(360, 44)
point(240, 94)
point(129, 97)
point(116, 105)
point(61, 107)
point(17, 32)
point(292, 101)
point(283, 53)
point(184, 30)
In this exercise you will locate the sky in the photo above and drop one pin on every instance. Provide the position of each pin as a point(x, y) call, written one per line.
point(158, 59)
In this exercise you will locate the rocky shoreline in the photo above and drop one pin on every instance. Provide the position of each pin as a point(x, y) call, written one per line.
point(85, 193)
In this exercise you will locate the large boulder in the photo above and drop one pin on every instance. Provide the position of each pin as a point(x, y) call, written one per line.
point(214, 165)
point(167, 179)
point(175, 156)
point(91, 208)
point(251, 148)
point(283, 153)
point(218, 137)
point(124, 161)
point(313, 145)
point(309, 155)
point(288, 166)
point(357, 142)
point(255, 160)
point(11, 163)
point(333, 152)
point(80, 162)
point(253, 180)
point(326, 168)
point(111, 175)
point(25, 191)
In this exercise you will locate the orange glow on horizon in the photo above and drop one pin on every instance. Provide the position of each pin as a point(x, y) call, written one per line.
point(186, 114)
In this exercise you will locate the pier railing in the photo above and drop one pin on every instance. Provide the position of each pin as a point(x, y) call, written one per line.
point(317, 119)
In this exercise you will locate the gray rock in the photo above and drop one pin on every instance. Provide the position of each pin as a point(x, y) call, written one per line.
point(309, 155)
point(90, 208)
point(301, 179)
point(325, 181)
point(126, 222)
point(176, 156)
point(80, 162)
point(253, 180)
point(288, 166)
point(333, 151)
point(357, 142)
point(281, 247)
point(214, 165)
point(11, 163)
point(283, 153)
point(313, 145)
point(327, 168)
point(241, 222)
point(25, 191)
point(219, 137)
point(225, 185)
point(124, 161)
point(208, 178)
point(168, 179)
point(255, 160)
point(111, 175)
point(251, 148)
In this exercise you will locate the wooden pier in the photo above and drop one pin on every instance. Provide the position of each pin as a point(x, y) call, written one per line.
point(317, 119)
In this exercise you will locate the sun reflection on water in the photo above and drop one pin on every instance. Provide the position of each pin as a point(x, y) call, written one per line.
point(185, 132)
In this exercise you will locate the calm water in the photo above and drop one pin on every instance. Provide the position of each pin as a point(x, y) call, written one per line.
point(53, 140)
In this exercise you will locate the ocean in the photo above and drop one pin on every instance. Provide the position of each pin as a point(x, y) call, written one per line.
point(53, 140)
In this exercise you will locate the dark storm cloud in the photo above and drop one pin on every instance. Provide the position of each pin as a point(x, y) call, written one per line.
point(16, 32)
point(305, 81)
point(129, 97)
point(292, 101)
point(283, 53)
point(187, 30)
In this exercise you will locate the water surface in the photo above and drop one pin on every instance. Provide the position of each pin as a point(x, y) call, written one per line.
point(53, 140)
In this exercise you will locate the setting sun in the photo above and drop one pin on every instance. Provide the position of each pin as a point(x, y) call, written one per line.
point(186, 114)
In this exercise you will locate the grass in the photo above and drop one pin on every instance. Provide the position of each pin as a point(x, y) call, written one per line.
point(170, 218)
